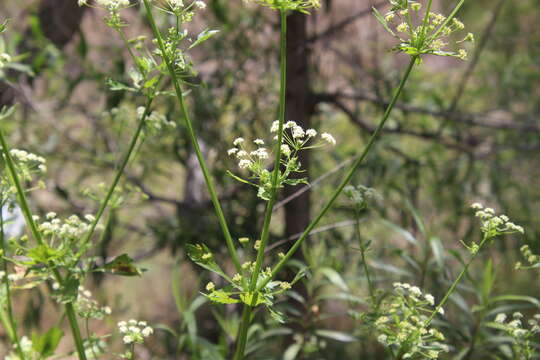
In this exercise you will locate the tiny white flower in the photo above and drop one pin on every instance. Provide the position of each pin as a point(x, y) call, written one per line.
point(238, 141)
point(244, 163)
point(147, 331)
point(328, 138)
point(128, 339)
point(200, 4)
point(311, 133)
point(259, 141)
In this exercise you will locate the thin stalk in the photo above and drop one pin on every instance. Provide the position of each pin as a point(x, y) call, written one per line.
point(265, 234)
point(347, 178)
point(25, 208)
point(363, 255)
point(456, 282)
point(194, 141)
point(12, 330)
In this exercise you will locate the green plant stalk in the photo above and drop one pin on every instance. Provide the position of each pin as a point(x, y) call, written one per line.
point(363, 256)
point(456, 282)
point(265, 234)
point(25, 208)
point(194, 141)
point(347, 178)
point(11, 329)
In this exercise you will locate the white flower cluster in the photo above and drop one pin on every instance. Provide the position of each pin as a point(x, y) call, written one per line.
point(295, 139)
point(28, 162)
point(112, 5)
point(28, 351)
point(178, 5)
point(493, 225)
point(73, 228)
point(4, 59)
point(246, 158)
point(89, 308)
point(519, 333)
point(134, 332)
point(402, 324)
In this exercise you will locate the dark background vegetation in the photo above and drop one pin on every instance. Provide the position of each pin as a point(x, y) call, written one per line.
point(462, 132)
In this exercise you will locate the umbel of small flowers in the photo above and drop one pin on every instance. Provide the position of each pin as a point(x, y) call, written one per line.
point(133, 332)
point(401, 324)
point(28, 351)
point(256, 161)
point(492, 225)
point(286, 5)
point(420, 33)
point(519, 333)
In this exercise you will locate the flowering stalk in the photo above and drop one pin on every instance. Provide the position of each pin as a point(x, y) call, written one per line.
point(347, 178)
point(11, 326)
point(246, 316)
point(456, 281)
point(193, 137)
point(25, 208)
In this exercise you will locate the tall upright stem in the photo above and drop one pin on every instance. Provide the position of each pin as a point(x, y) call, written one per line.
point(12, 330)
point(25, 208)
point(265, 234)
point(194, 140)
point(347, 178)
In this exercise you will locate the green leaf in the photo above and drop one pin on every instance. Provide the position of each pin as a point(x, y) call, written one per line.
point(122, 265)
point(117, 86)
point(335, 278)
point(203, 36)
point(222, 297)
point(47, 343)
point(199, 255)
point(3, 27)
point(292, 351)
point(247, 298)
point(336, 335)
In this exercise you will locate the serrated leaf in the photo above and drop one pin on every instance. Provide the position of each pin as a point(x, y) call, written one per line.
point(277, 315)
point(118, 86)
point(203, 36)
point(122, 265)
point(222, 297)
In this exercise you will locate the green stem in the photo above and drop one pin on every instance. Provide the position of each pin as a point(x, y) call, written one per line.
point(194, 141)
point(12, 329)
point(265, 234)
point(456, 282)
point(347, 178)
point(364, 260)
point(25, 208)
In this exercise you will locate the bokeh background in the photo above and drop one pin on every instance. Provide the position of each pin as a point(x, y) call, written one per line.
point(463, 131)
